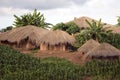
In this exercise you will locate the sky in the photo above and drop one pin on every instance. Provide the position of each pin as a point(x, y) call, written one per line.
point(56, 11)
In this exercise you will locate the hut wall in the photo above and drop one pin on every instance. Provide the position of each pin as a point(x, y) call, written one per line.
point(29, 46)
point(63, 47)
point(43, 46)
point(1, 43)
point(59, 47)
point(51, 47)
point(56, 47)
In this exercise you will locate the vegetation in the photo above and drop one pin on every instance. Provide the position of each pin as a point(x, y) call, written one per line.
point(80, 40)
point(112, 38)
point(98, 33)
point(70, 27)
point(36, 19)
point(6, 29)
point(95, 30)
point(118, 21)
point(17, 66)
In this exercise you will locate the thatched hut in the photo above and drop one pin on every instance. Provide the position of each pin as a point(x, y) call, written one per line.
point(57, 40)
point(81, 22)
point(27, 37)
point(115, 29)
point(89, 45)
point(103, 51)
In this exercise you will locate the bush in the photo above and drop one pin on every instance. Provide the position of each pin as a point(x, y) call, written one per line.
point(112, 38)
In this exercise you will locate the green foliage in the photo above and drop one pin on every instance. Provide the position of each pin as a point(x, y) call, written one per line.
point(36, 19)
point(95, 30)
point(7, 29)
point(113, 39)
point(81, 39)
point(60, 26)
point(70, 27)
point(17, 66)
point(118, 21)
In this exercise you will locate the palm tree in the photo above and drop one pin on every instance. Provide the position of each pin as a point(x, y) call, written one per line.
point(96, 30)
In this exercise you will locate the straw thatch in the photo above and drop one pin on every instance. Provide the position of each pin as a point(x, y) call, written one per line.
point(31, 34)
point(115, 29)
point(81, 22)
point(57, 38)
point(89, 45)
point(104, 50)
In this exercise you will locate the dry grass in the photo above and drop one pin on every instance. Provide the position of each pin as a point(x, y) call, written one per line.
point(32, 33)
point(103, 50)
point(57, 37)
point(115, 29)
point(81, 22)
point(89, 45)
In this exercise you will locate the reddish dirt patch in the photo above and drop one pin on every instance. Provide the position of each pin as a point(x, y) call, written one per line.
point(75, 57)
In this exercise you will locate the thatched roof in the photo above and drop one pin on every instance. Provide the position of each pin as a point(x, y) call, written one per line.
point(17, 35)
point(104, 50)
point(57, 37)
point(115, 29)
point(89, 45)
point(81, 22)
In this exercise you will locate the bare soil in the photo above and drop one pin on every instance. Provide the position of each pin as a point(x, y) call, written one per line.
point(75, 57)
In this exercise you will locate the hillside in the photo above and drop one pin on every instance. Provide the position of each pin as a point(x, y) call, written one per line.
point(17, 66)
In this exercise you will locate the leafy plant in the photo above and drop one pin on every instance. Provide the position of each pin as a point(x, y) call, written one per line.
point(70, 27)
point(118, 21)
point(95, 30)
point(36, 19)
point(6, 29)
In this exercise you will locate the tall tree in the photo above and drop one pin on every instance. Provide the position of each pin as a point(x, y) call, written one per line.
point(96, 30)
point(36, 19)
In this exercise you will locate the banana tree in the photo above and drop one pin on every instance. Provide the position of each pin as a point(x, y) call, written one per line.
point(96, 30)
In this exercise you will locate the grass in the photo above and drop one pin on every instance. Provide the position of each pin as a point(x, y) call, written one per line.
point(17, 66)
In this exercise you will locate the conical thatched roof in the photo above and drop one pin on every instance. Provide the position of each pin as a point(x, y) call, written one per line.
point(81, 22)
point(115, 29)
point(57, 37)
point(17, 35)
point(104, 50)
point(89, 45)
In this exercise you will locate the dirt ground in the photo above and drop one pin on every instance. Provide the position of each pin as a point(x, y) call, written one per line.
point(75, 57)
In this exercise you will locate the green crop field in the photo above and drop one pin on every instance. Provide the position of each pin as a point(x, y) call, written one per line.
point(17, 66)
